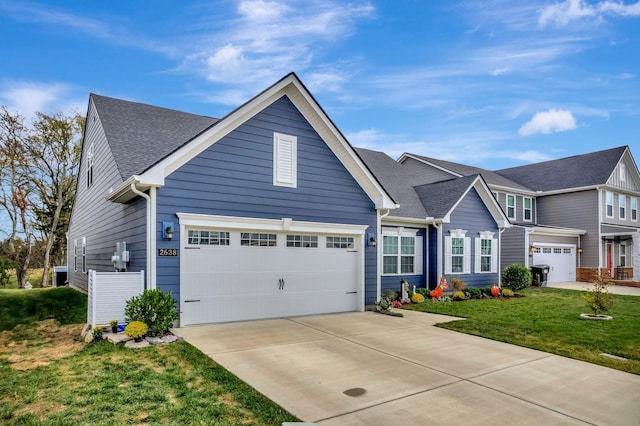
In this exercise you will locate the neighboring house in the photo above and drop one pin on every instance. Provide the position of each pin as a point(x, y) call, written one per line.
point(449, 228)
point(575, 214)
point(267, 212)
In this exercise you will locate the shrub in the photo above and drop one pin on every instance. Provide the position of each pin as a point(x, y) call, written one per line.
point(599, 299)
point(417, 297)
point(425, 292)
point(136, 329)
point(96, 332)
point(390, 294)
point(459, 295)
point(507, 292)
point(458, 284)
point(516, 277)
point(485, 291)
point(473, 293)
point(154, 308)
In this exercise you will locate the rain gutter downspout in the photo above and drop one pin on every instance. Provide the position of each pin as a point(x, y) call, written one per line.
point(379, 253)
point(149, 234)
point(500, 231)
point(438, 227)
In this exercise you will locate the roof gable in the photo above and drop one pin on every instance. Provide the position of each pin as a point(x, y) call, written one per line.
point(578, 171)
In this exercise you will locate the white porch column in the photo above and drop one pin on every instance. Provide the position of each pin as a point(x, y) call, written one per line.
point(635, 256)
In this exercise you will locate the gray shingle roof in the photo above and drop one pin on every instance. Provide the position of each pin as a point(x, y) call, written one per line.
point(489, 177)
point(397, 181)
point(141, 135)
point(438, 198)
point(577, 171)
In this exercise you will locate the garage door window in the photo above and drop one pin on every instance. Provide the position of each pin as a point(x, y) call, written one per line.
point(307, 241)
point(258, 240)
point(208, 238)
point(340, 242)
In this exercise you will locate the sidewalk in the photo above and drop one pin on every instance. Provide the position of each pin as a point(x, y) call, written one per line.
point(582, 286)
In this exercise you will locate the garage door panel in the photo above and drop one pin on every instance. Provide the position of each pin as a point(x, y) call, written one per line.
point(561, 259)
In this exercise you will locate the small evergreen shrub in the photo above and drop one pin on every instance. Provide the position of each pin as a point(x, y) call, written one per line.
point(96, 332)
point(459, 295)
point(473, 293)
point(154, 308)
point(417, 297)
point(136, 329)
point(485, 291)
point(390, 294)
point(458, 284)
point(516, 277)
point(425, 292)
point(507, 292)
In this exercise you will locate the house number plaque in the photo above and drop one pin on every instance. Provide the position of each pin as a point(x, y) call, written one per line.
point(167, 252)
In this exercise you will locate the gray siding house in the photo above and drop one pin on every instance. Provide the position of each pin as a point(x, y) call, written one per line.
point(267, 212)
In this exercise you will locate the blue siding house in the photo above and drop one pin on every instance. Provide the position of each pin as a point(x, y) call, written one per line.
point(266, 212)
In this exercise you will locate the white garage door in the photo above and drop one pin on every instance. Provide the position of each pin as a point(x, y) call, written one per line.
point(561, 259)
point(233, 275)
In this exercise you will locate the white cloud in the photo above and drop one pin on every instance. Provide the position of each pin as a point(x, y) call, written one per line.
point(561, 14)
point(27, 98)
point(554, 120)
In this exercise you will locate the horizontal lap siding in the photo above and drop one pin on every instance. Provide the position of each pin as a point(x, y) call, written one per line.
point(472, 215)
point(234, 177)
point(513, 246)
point(102, 222)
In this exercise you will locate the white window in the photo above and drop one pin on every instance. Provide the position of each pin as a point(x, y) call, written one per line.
point(307, 241)
point(208, 238)
point(84, 254)
point(609, 197)
point(285, 160)
point(634, 209)
point(526, 209)
point(75, 255)
point(340, 242)
point(90, 166)
point(623, 255)
point(457, 249)
point(622, 204)
point(253, 239)
point(511, 206)
point(486, 253)
point(623, 172)
point(401, 252)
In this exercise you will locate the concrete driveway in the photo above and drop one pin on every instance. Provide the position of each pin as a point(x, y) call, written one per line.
point(367, 368)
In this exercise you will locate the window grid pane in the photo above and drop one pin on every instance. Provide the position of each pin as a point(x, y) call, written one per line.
point(390, 264)
point(390, 245)
point(258, 240)
point(213, 238)
point(406, 264)
point(307, 241)
point(407, 245)
point(340, 242)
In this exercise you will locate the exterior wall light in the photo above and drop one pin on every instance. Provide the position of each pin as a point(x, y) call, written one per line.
point(167, 230)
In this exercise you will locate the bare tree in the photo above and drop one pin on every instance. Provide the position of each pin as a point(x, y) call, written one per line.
point(53, 154)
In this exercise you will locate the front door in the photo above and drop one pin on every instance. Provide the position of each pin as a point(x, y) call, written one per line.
point(609, 257)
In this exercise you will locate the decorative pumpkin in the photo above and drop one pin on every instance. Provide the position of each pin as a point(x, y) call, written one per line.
point(495, 291)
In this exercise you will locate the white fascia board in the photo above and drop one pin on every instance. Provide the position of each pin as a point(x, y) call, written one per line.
point(296, 92)
point(409, 221)
point(511, 190)
point(491, 203)
point(567, 190)
point(556, 232)
point(274, 225)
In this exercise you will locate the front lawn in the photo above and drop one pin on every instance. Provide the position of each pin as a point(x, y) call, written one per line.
point(50, 376)
point(548, 320)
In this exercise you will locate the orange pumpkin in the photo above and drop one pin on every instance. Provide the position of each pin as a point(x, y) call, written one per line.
point(495, 291)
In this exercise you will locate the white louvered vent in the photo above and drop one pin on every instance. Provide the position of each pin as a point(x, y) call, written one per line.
point(285, 160)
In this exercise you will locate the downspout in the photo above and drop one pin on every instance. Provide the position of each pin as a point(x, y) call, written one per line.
point(438, 227)
point(379, 253)
point(500, 231)
point(149, 235)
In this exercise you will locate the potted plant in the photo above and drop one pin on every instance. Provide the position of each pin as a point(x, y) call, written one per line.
point(136, 330)
point(97, 333)
point(114, 326)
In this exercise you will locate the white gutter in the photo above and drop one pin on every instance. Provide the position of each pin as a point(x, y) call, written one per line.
point(439, 249)
point(500, 231)
point(149, 234)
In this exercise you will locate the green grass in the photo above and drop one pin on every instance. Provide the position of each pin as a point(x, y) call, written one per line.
point(50, 377)
point(64, 304)
point(548, 320)
point(34, 277)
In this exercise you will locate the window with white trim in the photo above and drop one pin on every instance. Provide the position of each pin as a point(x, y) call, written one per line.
point(623, 255)
point(486, 253)
point(511, 206)
point(526, 209)
point(90, 166)
point(285, 160)
point(75, 255)
point(208, 238)
point(401, 252)
point(340, 242)
point(253, 239)
point(457, 250)
point(609, 202)
point(622, 206)
point(306, 241)
point(634, 209)
point(84, 254)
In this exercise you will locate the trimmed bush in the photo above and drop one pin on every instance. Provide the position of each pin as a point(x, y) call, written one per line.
point(507, 292)
point(390, 294)
point(485, 291)
point(516, 277)
point(474, 293)
point(459, 295)
point(458, 284)
point(417, 297)
point(154, 308)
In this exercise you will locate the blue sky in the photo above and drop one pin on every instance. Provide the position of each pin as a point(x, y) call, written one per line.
point(488, 83)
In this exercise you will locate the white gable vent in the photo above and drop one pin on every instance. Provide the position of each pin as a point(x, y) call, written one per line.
point(285, 160)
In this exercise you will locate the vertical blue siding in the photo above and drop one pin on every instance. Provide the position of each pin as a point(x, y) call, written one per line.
point(472, 215)
point(234, 177)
